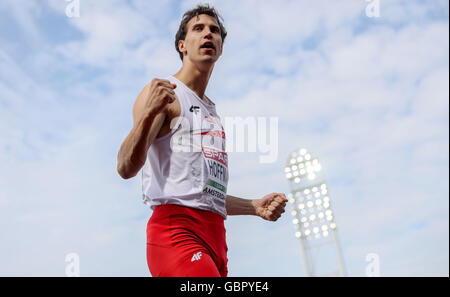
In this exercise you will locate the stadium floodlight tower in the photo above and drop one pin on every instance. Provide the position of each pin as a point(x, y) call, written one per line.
point(312, 215)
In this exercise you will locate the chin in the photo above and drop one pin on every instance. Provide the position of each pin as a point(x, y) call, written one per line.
point(211, 60)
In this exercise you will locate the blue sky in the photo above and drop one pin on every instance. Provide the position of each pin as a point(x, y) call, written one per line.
point(369, 96)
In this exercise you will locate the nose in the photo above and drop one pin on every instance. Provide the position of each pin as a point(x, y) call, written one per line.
point(208, 34)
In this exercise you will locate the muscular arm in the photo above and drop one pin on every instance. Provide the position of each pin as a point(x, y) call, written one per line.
point(238, 206)
point(133, 150)
point(147, 122)
point(270, 207)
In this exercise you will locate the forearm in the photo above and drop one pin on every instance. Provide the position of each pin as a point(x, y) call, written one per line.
point(133, 151)
point(238, 206)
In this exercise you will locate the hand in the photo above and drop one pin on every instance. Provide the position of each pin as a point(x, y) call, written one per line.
point(159, 94)
point(271, 206)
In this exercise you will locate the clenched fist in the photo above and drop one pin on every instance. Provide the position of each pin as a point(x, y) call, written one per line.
point(271, 206)
point(159, 93)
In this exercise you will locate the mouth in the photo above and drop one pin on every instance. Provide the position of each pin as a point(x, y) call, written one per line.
point(208, 46)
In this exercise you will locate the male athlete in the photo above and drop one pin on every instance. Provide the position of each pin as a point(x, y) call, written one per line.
point(179, 143)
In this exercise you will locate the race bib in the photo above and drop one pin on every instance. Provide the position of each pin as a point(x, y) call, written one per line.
point(216, 159)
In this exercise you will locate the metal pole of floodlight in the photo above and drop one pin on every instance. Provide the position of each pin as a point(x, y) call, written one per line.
point(312, 215)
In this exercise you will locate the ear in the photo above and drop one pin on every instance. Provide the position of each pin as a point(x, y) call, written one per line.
point(181, 47)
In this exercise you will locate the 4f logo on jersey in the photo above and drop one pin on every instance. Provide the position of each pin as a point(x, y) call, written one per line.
point(196, 256)
point(194, 109)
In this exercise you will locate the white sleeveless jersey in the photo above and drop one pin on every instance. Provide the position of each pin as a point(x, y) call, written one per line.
point(188, 166)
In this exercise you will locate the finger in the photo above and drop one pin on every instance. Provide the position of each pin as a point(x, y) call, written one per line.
point(275, 203)
point(279, 211)
point(170, 98)
point(283, 197)
point(280, 200)
point(166, 90)
point(274, 217)
point(162, 81)
point(165, 84)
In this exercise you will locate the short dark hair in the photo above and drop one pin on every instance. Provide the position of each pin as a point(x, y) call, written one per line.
point(188, 15)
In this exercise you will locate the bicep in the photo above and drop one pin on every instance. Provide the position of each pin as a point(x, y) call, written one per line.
point(139, 105)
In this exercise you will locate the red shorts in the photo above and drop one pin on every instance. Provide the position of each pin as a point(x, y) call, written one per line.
point(183, 241)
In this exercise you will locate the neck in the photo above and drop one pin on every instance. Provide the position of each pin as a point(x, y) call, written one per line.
point(195, 78)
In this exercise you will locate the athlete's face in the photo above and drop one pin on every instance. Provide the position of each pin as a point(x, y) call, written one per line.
point(202, 31)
